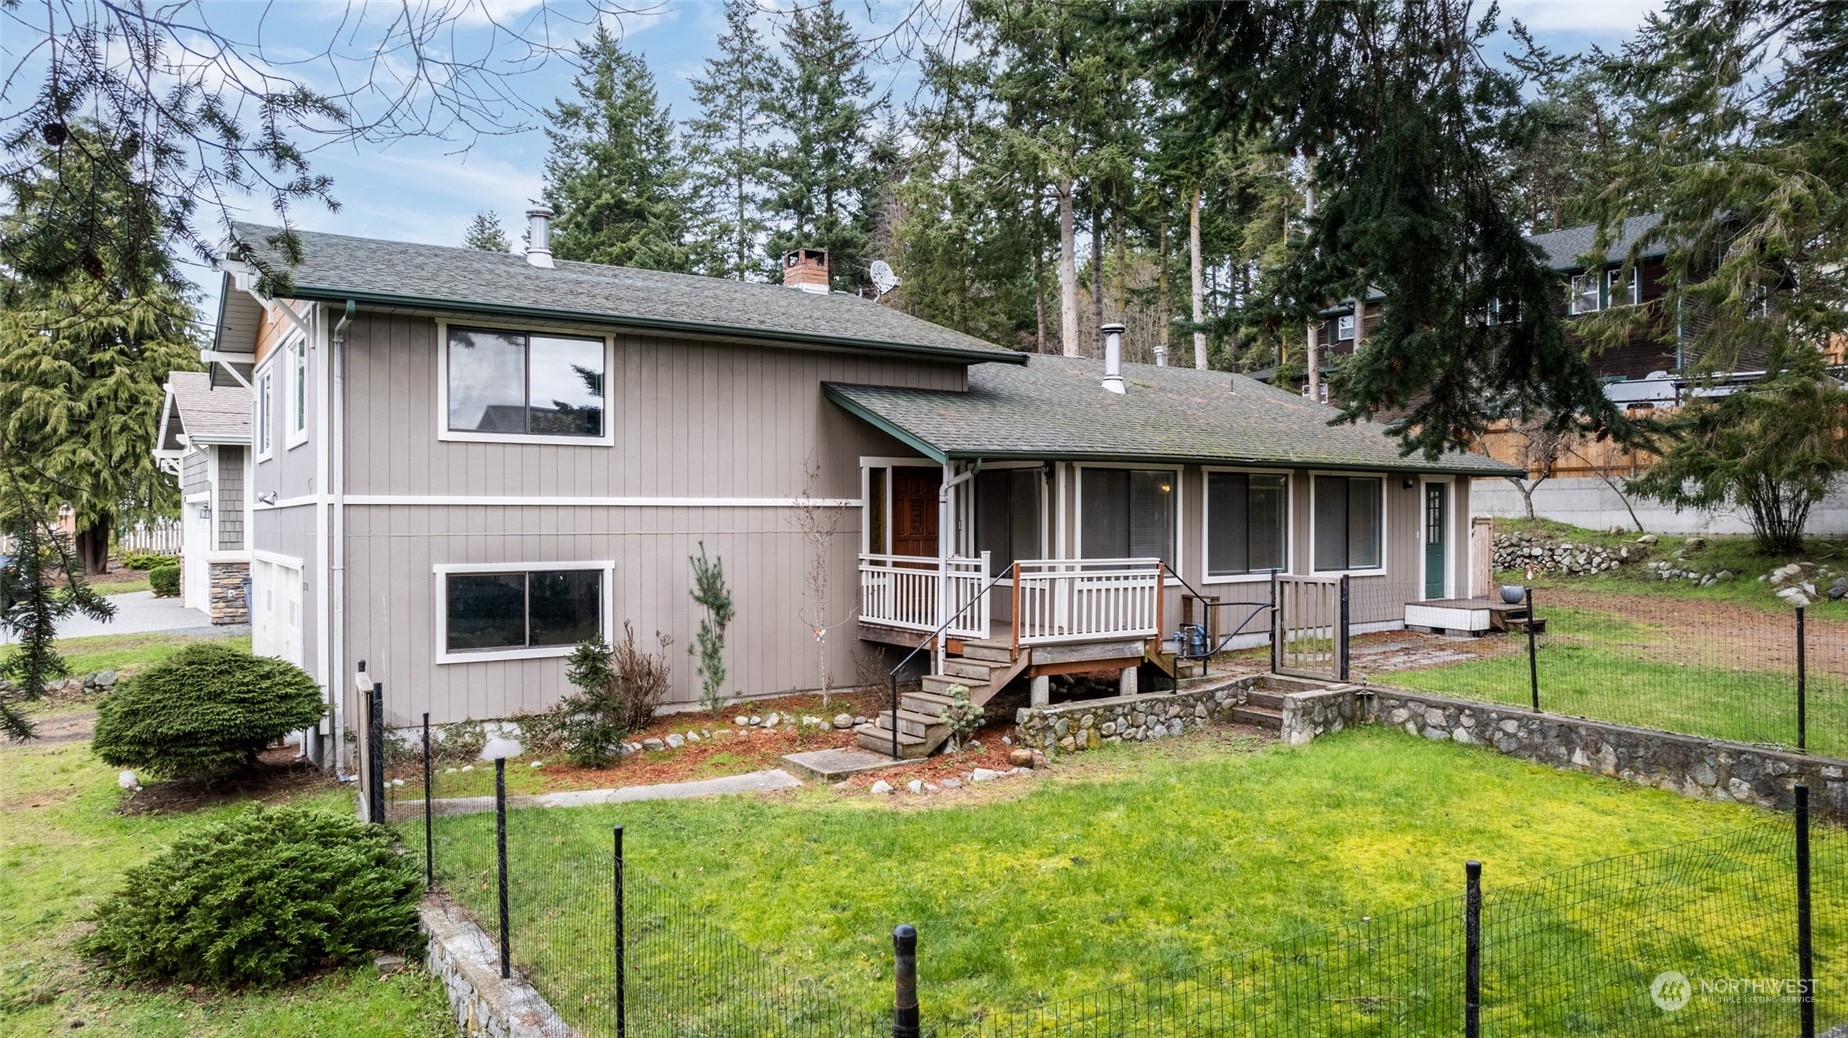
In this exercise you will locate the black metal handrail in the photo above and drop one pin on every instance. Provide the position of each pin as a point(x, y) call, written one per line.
point(1209, 605)
point(892, 675)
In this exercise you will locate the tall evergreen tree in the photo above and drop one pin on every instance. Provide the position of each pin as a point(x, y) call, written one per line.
point(485, 233)
point(84, 354)
point(727, 144)
point(824, 173)
point(616, 175)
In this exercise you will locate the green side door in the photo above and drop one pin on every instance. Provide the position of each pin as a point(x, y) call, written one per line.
point(1434, 520)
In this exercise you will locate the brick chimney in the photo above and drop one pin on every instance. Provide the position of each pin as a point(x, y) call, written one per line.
point(806, 269)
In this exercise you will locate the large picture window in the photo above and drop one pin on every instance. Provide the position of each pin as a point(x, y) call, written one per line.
point(516, 610)
point(1127, 514)
point(521, 384)
point(1349, 522)
point(1007, 516)
point(1247, 523)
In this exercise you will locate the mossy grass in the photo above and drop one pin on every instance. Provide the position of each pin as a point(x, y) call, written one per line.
point(63, 848)
point(1137, 861)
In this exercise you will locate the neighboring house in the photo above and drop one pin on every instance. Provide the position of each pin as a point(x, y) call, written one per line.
point(204, 439)
point(468, 462)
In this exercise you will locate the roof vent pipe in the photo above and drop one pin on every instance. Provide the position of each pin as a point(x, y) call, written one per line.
point(539, 236)
point(1161, 355)
point(1113, 357)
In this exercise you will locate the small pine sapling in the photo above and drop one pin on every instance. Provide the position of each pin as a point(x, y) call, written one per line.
point(963, 716)
point(708, 646)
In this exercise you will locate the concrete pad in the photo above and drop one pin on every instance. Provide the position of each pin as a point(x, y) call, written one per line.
point(139, 612)
point(834, 765)
point(754, 782)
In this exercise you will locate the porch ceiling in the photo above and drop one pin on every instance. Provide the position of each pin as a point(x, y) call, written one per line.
point(1056, 408)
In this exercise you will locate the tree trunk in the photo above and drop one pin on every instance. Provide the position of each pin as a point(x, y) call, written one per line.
point(1199, 280)
point(93, 547)
point(1161, 306)
point(1097, 282)
point(1068, 273)
point(1122, 257)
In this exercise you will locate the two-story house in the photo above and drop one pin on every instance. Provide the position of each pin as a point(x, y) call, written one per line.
point(465, 463)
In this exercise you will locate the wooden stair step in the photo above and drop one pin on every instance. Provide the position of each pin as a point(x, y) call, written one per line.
point(928, 704)
point(1259, 717)
point(879, 740)
point(940, 684)
point(996, 652)
point(977, 670)
point(910, 722)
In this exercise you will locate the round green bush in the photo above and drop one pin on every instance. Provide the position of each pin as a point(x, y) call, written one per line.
point(165, 580)
point(263, 897)
point(204, 709)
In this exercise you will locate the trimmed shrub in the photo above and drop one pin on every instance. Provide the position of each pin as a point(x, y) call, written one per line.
point(148, 560)
point(262, 897)
point(165, 580)
point(622, 686)
point(204, 709)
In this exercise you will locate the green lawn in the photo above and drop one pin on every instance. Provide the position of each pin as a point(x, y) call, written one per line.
point(126, 654)
point(1129, 863)
point(1735, 553)
point(1602, 665)
point(63, 847)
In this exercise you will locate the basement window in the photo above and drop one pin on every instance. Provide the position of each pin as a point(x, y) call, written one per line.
point(505, 612)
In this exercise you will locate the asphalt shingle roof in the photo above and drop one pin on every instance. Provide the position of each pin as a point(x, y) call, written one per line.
point(207, 413)
point(1056, 407)
point(1565, 249)
point(336, 267)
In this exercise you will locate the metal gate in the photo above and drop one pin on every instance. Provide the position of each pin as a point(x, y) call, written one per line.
point(1309, 627)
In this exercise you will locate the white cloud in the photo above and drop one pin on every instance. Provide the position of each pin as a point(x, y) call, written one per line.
point(1581, 17)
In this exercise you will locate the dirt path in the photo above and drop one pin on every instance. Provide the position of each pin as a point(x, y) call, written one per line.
point(59, 728)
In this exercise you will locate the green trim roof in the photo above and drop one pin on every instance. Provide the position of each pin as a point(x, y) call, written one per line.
point(337, 267)
point(1057, 408)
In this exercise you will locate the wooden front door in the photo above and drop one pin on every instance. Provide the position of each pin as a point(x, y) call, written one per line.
point(914, 511)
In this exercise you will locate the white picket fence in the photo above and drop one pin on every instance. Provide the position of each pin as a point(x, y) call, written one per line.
point(160, 538)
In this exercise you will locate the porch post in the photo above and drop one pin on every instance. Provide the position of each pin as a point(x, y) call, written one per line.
point(1039, 691)
point(1126, 681)
point(946, 528)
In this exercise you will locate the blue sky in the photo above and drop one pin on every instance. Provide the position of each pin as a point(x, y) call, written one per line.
point(426, 189)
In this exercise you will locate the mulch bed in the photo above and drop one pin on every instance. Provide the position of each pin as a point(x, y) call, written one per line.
point(280, 775)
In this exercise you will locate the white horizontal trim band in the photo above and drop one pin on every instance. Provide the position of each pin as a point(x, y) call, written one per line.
point(438, 500)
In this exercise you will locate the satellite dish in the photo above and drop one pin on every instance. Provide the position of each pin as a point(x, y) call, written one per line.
point(883, 279)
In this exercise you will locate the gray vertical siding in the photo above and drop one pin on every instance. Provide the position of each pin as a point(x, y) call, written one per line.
point(692, 420)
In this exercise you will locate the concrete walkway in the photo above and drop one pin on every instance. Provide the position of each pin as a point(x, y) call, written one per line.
point(139, 612)
point(754, 782)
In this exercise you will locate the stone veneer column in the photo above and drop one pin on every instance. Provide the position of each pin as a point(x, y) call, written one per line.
point(227, 583)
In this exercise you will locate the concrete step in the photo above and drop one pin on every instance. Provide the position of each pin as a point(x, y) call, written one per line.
point(1258, 717)
point(998, 652)
point(909, 722)
point(940, 685)
point(1264, 699)
point(975, 670)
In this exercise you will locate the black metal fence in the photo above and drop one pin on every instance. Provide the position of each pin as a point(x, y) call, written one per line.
point(1704, 668)
point(1742, 933)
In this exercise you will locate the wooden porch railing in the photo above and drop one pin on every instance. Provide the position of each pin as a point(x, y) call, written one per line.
point(903, 591)
point(1072, 600)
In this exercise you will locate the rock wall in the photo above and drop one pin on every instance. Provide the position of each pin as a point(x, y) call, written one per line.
point(1682, 764)
point(227, 583)
point(468, 963)
point(1520, 551)
point(1307, 715)
point(1090, 723)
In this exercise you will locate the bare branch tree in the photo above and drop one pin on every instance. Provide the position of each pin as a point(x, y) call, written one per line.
point(818, 523)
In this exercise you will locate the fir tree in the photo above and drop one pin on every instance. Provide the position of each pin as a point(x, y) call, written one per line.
point(616, 175)
point(726, 142)
point(824, 174)
point(485, 233)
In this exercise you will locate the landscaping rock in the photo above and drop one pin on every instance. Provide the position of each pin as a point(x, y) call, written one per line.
point(773, 720)
point(880, 788)
point(653, 745)
point(1020, 756)
point(984, 775)
point(915, 785)
point(501, 746)
point(106, 679)
point(128, 781)
point(843, 721)
point(952, 783)
point(755, 721)
point(675, 740)
point(741, 721)
point(692, 736)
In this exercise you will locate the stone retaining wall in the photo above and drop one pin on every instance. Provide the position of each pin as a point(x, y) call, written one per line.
point(1683, 764)
point(468, 964)
point(1089, 723)
point(1309, 714)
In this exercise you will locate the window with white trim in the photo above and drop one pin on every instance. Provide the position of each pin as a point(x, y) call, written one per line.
point(1349, 520)
point(1587, 293)
point(260, 416)
point(1127, 514)
point(504, 382)
point(1247, 523)
point(515, 609)
point(298, 392)
point(1344, 327)
point(1616, 288)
